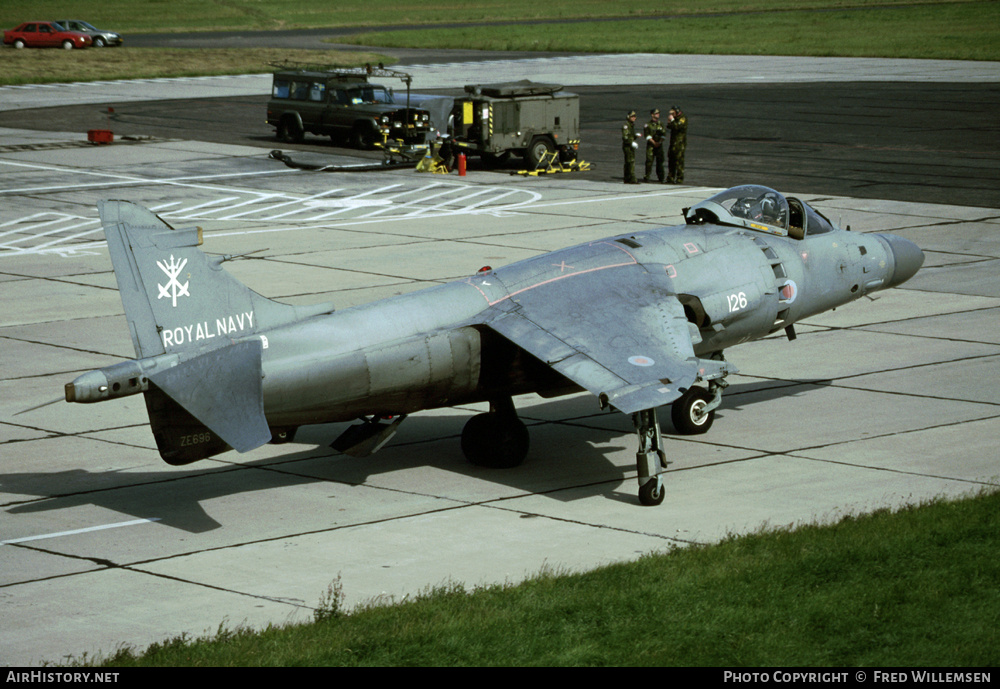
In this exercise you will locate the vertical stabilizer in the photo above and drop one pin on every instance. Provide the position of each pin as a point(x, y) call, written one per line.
point(176, 297)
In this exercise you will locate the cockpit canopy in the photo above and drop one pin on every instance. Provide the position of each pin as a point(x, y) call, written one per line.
point(762, 209)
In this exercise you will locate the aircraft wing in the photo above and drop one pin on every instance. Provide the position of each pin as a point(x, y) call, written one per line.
point(621, 334)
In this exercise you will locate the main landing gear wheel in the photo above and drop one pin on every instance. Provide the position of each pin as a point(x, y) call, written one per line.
point(687, 412)
point(495, 441)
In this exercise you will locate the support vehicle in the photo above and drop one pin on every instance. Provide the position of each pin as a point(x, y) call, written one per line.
point(524, 118)
point(344, 105)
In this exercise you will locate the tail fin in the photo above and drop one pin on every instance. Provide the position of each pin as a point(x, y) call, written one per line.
point(175, 296)
point(192, 324)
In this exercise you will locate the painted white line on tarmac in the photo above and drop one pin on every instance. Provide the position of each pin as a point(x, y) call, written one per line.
point(121, 179)
point(79, 531)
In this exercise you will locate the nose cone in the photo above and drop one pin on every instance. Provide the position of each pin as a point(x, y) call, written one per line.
point(907, 259)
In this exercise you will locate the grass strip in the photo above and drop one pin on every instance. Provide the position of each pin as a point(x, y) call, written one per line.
point(177, 16)
point(951, 30)
point(916, 587)
point(59, 66)
point(966, 31)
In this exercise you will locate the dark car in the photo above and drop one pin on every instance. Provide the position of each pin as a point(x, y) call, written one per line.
point(100, 37)
point(45, 35)
point(342, 104)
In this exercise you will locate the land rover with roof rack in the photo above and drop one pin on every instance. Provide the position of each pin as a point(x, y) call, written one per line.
point(344, 104)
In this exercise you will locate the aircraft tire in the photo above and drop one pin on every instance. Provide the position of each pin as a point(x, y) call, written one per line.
point(495, 441)
point(280, 436)
point(684, 412)
point(652, 493)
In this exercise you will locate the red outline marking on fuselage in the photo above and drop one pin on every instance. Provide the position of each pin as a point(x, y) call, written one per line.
point(563, 276)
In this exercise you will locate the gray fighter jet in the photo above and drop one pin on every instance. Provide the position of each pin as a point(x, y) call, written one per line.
point(638, 320)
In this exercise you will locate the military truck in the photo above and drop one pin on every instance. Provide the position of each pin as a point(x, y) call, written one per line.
point(522, 118)
point(343, 104)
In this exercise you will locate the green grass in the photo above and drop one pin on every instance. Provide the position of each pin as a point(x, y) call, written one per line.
point(961, 29)
point(919, 587)
point(969, 31)
point(54, 66)
point(156, 16)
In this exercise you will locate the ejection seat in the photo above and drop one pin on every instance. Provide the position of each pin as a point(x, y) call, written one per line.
point(796, 219)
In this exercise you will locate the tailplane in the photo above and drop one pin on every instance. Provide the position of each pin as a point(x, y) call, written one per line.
point(201, 406)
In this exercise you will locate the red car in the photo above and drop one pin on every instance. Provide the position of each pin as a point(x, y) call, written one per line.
point(45, 35)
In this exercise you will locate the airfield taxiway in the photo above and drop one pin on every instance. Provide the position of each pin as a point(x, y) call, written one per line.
point(881, 403)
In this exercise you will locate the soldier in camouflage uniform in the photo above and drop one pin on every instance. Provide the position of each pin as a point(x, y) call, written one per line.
point(654, 132)
point(678, 125)
point(629, 147)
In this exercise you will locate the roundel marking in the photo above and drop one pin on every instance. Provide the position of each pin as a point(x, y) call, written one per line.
point(787, 292)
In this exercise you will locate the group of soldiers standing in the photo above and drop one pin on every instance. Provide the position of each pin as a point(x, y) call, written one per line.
point(655, 132)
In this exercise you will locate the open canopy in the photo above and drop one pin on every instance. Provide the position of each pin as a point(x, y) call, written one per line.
point(759, 208)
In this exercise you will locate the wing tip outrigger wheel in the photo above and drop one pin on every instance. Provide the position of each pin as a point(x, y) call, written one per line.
point(692, 413)
point(652, 492)
point(650, 460)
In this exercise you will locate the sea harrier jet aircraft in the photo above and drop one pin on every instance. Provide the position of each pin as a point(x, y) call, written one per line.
point(641, 320)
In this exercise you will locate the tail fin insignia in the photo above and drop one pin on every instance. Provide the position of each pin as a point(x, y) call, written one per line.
point(175, 296)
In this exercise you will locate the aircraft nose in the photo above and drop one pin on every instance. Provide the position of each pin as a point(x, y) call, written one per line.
point(907, 259)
